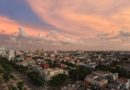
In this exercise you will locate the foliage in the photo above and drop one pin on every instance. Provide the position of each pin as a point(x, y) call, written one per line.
point(121, 71)
point(21, 68)
point(12, 87)
point(36, 78)
point(68, 64)
point(79, 73)
point(6, 65)
point(1, 69)
point(20, 85)
point(58, 80)
point(6, 76)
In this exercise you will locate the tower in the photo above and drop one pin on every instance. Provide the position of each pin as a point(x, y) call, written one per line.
point(11, 55)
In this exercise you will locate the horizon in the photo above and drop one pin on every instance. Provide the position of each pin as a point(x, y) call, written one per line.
point(7, 49)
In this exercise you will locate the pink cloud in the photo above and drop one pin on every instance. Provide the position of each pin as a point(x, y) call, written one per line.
point(86, 19)
point(9, 26)
point(33, 34)
point(80, 22)
point(80, 16)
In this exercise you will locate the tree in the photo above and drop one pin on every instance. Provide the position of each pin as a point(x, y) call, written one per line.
point(73, 74)
point(6, 65)
point(6, 76)
point(20, 85)
point(36, 78)
point(58, 80)
point(1, 69)
point(13, 88)
point(21, 68)
point(1, 80)
point(79, 73)
point(120, 70)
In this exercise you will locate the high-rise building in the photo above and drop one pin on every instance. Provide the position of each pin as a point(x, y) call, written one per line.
point(11, 55)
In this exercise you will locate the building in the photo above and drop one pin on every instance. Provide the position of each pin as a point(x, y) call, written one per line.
point(2, 52)
point(36, 68)
point(101, 78)
point(45, 66)
point(78, 85)
point(49, 73)
point(91, 65)
point(120, 84)
point(26, 62)
point(11, 55)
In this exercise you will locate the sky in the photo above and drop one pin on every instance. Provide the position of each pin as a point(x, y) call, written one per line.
point(65, 24)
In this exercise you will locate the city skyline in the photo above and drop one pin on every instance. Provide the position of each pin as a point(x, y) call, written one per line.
point(65, 25)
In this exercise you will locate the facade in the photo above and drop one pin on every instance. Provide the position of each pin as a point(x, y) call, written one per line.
point(101, 78)
point(120, 84)
point(108, 81)
point(2, 51)
point(11, 55)
point(26, 62)
point(49, 73)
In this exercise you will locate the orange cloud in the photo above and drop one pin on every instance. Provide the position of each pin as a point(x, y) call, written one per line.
point(8, 26)
point(122, 18)
point(80, 21)
point(85, 18)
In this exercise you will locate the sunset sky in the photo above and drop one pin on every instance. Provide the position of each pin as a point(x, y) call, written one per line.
point(65, 24)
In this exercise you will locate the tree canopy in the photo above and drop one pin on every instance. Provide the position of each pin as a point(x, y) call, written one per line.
point(58, 80)
point(79, 73)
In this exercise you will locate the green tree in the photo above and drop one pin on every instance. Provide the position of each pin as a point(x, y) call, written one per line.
point(36, 78)
point(20, 85)
point(21, 68)
point(58, 80)
point(1, 69)
point(14, 88)
point(6, 76)
point(79, 73)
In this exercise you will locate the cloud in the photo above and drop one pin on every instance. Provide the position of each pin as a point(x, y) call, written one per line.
point(122, 18)
point(21, 40)
point(73, 24)
point(21, 33)
point(80, 17)
point(100, 24)
point(122, 35)
point(11, 27)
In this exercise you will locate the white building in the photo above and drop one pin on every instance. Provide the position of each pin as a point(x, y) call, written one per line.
point(101, 78)
point(26, 62)
point(11, 55)
point(88, 65)
point(2, 51)
point(49, 73)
